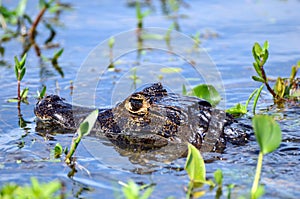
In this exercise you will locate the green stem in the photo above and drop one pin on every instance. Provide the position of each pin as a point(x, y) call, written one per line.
point(256, 98)
point(257, 175)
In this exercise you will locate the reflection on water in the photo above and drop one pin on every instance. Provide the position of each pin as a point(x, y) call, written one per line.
point(238, 25)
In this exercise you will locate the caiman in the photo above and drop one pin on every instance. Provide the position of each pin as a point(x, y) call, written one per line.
point(150, 119)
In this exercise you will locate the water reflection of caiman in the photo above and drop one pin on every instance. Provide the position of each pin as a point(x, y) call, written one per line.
point(150, 119)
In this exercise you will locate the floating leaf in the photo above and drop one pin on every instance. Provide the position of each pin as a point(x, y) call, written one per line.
point(194, 165)
point(207, 92)
point(267, 132)
point(170, 70)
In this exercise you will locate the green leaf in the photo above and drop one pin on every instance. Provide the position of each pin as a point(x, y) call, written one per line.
point(12, 100)
point(21, 8)
point(207, 92)
point(258, 79)
point(255, 100)
point(17, 63)
point(194, 165)
point(184, 91)
point(259, 192)
point(24, 93)
point(87, 125)
point(57, 150)
point(23, 71)
point(17, 72)
point(84, 127)
point(238, 109)
point(169, 70)
point(267, 132)
point(257, 49)
point(257, 69)
point(23, 60)
point(218, 175)
point(111, 42)
point(266, 46)
point(58, 54)
point(265, 57)
point(42, 93)
point(279, 87)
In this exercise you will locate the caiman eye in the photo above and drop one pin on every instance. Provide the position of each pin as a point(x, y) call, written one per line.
point(136, 104)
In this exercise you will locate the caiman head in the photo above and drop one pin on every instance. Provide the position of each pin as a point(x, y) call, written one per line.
point(148, 119)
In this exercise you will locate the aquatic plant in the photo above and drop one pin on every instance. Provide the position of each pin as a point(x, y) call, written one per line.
point(20, 71)
point(133, 191)
point(25, 26)
point(284, 88)
point(268, 136)
point(140, 15)
point(36, 190)
point(83, 130)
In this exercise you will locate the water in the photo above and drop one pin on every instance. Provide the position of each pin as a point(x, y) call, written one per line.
point(230, 30)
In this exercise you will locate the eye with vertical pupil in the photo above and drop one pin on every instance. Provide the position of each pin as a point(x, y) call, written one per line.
point(136, 104)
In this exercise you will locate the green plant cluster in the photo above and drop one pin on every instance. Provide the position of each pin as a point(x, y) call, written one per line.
point(36, 190)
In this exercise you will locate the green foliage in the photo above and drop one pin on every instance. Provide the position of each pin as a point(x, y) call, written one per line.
point(207, 92)
point(40, 95)
point(237, 110)
point(36, 190)
point(218, 176)
point(20, 68)
point(268, 136)
point(267, 132)
point(132, 191)
point(194, 165)
point(58, 150)
point(83, 130)
point(111, 42)
point(140, 15)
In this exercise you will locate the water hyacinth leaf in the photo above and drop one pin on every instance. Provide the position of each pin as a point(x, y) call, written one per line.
point(267, 132)
point(258, 79)
point(170, 70)
point(194, 165)
point(207, 92)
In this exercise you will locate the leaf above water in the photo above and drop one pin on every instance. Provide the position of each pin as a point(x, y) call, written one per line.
point(267, 132)
point(207, 92)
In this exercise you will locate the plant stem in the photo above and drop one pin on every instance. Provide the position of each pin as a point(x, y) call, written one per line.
point(257, 175)
point(275, 96)
point(33, 30)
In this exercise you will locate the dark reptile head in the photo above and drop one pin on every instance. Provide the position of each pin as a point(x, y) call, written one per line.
point(54, 110)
